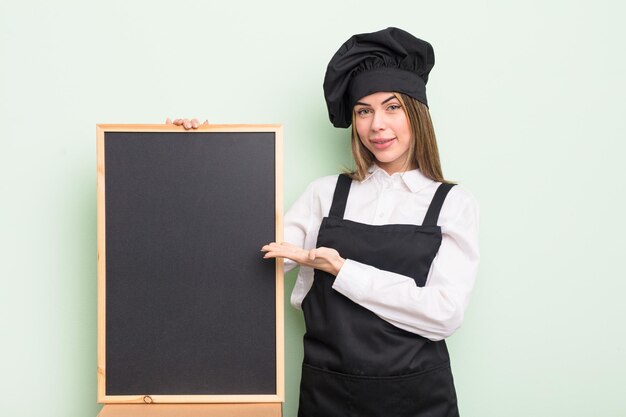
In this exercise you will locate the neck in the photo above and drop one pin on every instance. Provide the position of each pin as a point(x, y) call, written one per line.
point(394, 167)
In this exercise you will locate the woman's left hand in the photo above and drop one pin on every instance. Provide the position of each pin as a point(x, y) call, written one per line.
point(186, 123)
point(324, 259)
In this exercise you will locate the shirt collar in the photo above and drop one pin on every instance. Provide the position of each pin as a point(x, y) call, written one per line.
point(413, 179)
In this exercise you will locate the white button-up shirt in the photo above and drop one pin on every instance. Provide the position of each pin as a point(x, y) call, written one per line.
point(434, 311)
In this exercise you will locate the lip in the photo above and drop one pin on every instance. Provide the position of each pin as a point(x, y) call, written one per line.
point(382, 143)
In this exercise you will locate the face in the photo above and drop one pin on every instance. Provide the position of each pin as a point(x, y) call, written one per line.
point(384, 130)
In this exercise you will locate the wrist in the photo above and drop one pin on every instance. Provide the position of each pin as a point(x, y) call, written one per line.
point(338, 264)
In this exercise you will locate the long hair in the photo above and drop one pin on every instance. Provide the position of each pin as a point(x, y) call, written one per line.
point(423, 152)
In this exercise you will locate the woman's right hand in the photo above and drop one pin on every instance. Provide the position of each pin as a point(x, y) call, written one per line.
point(186, 123)
point(325, 259)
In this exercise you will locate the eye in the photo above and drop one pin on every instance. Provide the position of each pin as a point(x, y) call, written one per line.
point(394, 107)
point(363, 111)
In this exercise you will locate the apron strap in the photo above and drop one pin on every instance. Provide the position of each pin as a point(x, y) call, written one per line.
point(432, 215)
point(338, 207)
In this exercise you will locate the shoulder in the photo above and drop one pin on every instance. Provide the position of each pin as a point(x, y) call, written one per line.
point(322, 188)
point(460, 194)
point(460, 205)
point(316, 198)
point(325, 182)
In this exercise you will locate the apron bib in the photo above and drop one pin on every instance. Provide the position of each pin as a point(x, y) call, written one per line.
point(355, 363)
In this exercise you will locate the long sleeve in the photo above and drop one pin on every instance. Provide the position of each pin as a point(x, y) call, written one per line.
point(301, 227)
point(296, 223)
point(436, 310)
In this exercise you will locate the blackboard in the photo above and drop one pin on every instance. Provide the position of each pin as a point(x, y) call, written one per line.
point(189, 311)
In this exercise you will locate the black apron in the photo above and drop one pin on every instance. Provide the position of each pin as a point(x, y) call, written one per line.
point(355, 363)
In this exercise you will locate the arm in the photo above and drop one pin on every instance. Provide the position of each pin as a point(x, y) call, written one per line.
point(296, 223)
point(436, 310)
point(301, 227)
point(300, 250)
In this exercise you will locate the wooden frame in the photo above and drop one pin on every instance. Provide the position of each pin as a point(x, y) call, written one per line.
point(147, 398)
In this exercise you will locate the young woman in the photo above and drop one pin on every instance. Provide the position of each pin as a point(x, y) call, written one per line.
point(387, 253)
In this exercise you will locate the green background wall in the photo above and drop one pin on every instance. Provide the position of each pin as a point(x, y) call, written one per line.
point(528, 103)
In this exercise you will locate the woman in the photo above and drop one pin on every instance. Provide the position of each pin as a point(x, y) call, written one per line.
point(387, 253)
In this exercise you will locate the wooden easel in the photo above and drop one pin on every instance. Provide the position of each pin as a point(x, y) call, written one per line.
point(264, 143)
point(192, 410)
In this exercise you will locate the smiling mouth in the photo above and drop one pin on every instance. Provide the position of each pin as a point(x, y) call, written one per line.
point(382, 143)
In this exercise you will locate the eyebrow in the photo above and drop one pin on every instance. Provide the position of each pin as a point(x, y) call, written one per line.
point(365, 104)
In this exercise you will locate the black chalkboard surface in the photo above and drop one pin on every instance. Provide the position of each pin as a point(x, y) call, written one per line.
point(188, 309)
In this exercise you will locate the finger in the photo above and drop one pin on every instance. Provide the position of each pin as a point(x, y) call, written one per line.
point(275, 250)
point(273, 246)
point(312, 254)
point(195, 123)
point(168, 121)
point(205, 123)
point(285, 250)
point(178, 122)
point(279, 245)
point(187, 124)
point(288, 245)
point(275, 254)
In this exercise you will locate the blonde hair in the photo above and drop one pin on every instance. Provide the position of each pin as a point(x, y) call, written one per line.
point(423, 152)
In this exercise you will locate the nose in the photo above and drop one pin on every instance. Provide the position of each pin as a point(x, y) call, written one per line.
point(378, 121)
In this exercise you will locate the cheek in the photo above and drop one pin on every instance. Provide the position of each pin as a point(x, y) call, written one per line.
point(362, 129)
point(364, 142)
point(402, 124)
point(403, 130)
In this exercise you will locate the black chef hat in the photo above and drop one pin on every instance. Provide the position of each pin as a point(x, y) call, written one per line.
point(387, 60)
